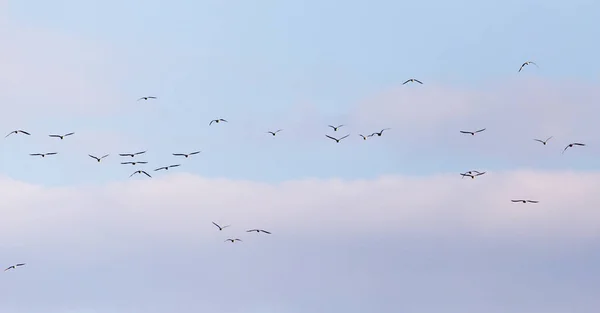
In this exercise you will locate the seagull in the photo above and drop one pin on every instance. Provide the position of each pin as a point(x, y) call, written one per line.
point(140, 172)
point(220, 228)
point(379, 133)
point(134, 163)
point(412, 80)
point(131, 154)
point(233, 240)
point(61, 136)
point(573, 144)
point(167, 167)
point(544, 141)
point(186, 154)
point(43, 155)
point(363, 136)
point(275, 132)
point(527, 63)
point(258, 231)
point(98, 159)
point(17, 131)
point(469, 174)
point(336, 140)
point(14, 266)
point(472, 133)
point(525, 201)
point(335, 128)
point(146, 98)
point(217, 121)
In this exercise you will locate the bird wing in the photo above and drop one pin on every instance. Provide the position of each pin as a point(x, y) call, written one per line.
point(479, 174)
point(127, 163)
point(139, 152)
point(175, 165)
point(142, 162)
point(264, 231)
point(195, 152)
point(146, 174)
point(516, 200)
point(35, 154)
point(418, 81)
point(12, 132)
point(384, 129)
point(579, 144)
point(141, 98)
point(344, 137)
point(69, 134)
point(404, 83)
point(331, 126)
point(278, 130)
point(24, 132)
point(179, 154)
point(51, 153)
point(480, 130)
point(12, 266)
point(125, 154)
point(330, 137)
point(549, 138)
point(216, 225)
point(362, 136)
point(522, 66)
point(161, 168)
point(251, 230)
point(54, 136)
point(465, 132)
point(532, 201)
point(151, 97)
point(134, 173)
point(565, 149)
point(91, 156)
point(105, 156)
point(539, 140)
point(237, 239)
point(223, 120)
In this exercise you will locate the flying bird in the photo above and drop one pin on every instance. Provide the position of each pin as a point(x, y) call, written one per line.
point(472, 133)
point(43, 155)
point(363, 136)
point(233, 240)
point(134, 163)
point(275, 132)
point(220, 228)
point(140, 172)
point(573, 144)
point(217, 121)
point(146, 98)
point(61, 136)
point(412, 80)
point(167, 167)
point(544, 141)
point(14, 266)
point(525, 201)
point(336, 140)
point(131, 154)
point(17, 131)
point(527, 63)
point(258, 231)
point(472, 174)
point(379, 133)
point(335, 128)
point(98, 158)
point(186, 154)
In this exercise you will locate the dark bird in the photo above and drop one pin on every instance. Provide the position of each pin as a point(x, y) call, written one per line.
point(140, 172)
point(233, 240)
point(472, 133)
point(258, 231)
point(186, 155)
point(98, 158)
point(220, 228)
point(134, 163)
point(527, 63)
point(472, 174)
point(544, 141)
point(525, 201)
point(43, 155)
point(336, 140)
point(335, 128)
point(363, 136)
point(14, 266)
point(275, 132)
point(131, 154)
point(379, 133)
point(146, 98)
point(61, 136)
point(167, 167)
point(17, 131)
point(217, 121)
point(412, 80)
point(573, 144)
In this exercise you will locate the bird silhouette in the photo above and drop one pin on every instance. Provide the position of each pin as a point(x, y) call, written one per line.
point(544, 141)
point(525, 201)
point(186, 154)
point(220, 227)
point(573, 144)
point(98, 158)
point(334, 127)
point(140, 172)
point(132, 154)
point(379, 133)
point(275, 132)
point(472, 133)
point(412, 80)
point(336, 140)
point(43, 155)
point(16, 132)
point(14, 266)
point(134, 163)
point(167, 167)
point(233, 240)
point(527, 63)
point(146, 98)
point(61, 136)
point(258, 231)
point(217, 121)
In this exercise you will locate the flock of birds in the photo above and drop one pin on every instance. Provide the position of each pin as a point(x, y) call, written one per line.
point(472, 173)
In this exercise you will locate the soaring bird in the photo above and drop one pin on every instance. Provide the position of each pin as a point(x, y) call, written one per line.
point(186, 154)
point(573, 144)
point(220, 227)
point(167, 167)
point(525, 201)
point(14, 266)
point(363, 136)
point(472, 174)
point(275, 132)
point(336, 140)
point(412, 80)
point(544, 141)
point(134, 163)
point(17, 131)
point(527, 63)
point(61, 136)
point(217, 121)
point(146, 98)
point(379, 133)
point(258, 231)
point(472, 133)
point(131, 154)
point(140, 172)
point(335, 128)
point(98, 158)
point(43, 155)
point(233, 240)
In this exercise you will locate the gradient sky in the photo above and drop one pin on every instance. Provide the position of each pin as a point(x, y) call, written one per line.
point(382, 225)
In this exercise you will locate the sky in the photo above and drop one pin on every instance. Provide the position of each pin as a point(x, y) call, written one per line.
point(385, 224)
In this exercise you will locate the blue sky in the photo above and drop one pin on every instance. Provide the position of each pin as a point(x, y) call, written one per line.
point(384, 224)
